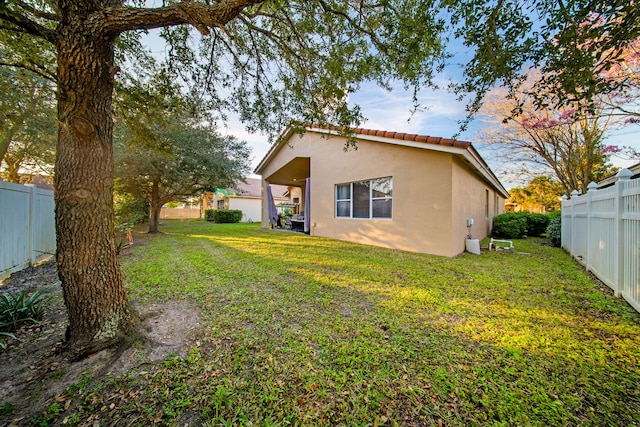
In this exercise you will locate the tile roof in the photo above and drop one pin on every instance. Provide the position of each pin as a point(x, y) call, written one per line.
point(404, 136)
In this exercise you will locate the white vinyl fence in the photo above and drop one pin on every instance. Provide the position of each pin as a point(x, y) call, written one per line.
point(601, 229)
point(27, 226)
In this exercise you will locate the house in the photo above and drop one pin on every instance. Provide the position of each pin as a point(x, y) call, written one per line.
point(244, 196)
point(611, 179)
point(181, 210)
point(396, 190)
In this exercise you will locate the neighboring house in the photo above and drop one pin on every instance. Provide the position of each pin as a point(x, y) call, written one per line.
point(244, 196)
point(401, 191)
point(181, 210)
point(611, 179)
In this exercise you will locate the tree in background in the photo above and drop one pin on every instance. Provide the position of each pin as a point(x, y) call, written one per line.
point(541, 195)
point(567, 143)
point(27, 124)
point(166, 150)
point(178, 162)
point(31, 153)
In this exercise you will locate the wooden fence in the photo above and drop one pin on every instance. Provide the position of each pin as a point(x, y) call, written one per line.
point(27, 226)
point(180, 213)
point(601, 229)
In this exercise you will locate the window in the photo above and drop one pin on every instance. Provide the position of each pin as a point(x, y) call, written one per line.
point(365, 199)
point(343, 200)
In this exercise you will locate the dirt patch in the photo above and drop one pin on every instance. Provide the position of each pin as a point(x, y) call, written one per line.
point(34, 372)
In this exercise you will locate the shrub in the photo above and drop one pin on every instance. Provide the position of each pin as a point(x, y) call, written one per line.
point(510, 225)
point(16, 309)
point(227, 215)
point(209, 214)
point(5, 334)
point(536, 224)
point(129, 210)
point(554, 230)
point(553, 214)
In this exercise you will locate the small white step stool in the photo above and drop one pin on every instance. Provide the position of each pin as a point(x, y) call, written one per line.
point(493, 244)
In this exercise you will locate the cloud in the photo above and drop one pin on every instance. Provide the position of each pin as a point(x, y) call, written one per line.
point(392, 110)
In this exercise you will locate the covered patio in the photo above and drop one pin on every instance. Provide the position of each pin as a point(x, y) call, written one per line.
point(294, 215)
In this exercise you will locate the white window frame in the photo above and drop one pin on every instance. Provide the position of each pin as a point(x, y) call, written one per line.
point(350, 200)
point(371, 199)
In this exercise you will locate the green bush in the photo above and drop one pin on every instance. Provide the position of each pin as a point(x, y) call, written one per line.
point(510, 225)
point(130, 211)
point(536, 224)
point(554, 230)
point(553, 214)
point(209, 214)
point(227, 215)
point(17, 309)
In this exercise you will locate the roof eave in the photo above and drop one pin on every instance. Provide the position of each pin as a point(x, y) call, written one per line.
point(284, 136)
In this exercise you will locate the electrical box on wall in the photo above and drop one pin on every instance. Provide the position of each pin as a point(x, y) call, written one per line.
point(469, 222)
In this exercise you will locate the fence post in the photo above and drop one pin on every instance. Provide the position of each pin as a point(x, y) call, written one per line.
point(30, 236)
point(574, 195)
point(563, 222)
point(591, 188)
point(621, 183)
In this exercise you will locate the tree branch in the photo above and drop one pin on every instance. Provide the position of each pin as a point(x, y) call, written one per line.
point(203, 17)
point(37, 13)
point(34, 68)
point(25, 24)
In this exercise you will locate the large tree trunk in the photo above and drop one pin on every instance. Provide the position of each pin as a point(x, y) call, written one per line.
point(156, 205)
point(7, 132)
point(94, 293)
point(12, 171)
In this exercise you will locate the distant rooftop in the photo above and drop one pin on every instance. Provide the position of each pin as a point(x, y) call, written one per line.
point(253, 188)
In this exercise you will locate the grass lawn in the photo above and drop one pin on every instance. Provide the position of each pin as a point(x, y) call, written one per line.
point(300, 330)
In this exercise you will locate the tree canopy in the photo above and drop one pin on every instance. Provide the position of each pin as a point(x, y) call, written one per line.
point(165, 150)
point(567, 143)
point(580, 46)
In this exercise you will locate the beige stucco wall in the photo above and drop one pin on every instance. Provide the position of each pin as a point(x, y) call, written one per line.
point(470, 202)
